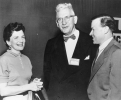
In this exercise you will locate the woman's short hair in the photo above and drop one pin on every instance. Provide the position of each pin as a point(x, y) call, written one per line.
point(8, 30)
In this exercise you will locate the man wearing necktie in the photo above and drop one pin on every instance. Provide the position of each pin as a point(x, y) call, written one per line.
point(105, 80)
point(67, 59)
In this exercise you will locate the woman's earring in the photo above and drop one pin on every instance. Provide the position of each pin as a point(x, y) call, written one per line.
point(9, 48)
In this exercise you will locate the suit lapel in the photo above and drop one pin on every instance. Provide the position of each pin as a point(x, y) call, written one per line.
point(77, 47)
point(80, 48)
point(61, 51)
point(94, 60)
point(100, 60)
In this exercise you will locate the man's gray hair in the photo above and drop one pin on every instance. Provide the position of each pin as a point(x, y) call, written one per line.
point(63, 6)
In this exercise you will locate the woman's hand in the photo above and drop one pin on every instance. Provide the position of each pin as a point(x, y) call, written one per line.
point(37, 80)
point(36, 85)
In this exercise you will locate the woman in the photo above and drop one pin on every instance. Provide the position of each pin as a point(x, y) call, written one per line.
point(16, 68)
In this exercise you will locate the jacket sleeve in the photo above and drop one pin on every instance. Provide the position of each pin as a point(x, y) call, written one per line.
point(115, 76)
point(47, 64)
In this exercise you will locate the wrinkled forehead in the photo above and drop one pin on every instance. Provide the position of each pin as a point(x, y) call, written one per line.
point(63, 12)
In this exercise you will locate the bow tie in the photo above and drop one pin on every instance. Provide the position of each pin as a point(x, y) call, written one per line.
point(72, 37)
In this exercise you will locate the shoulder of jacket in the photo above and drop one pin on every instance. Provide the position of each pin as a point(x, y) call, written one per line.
point(117, 45)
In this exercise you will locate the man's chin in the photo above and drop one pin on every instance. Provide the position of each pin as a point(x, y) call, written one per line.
point(95, 42)
point(65, 31)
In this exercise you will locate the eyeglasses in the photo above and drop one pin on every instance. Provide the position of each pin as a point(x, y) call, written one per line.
point(67, 18)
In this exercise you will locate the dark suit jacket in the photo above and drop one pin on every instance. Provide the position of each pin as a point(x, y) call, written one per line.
point(61, 80)
point(105, 81)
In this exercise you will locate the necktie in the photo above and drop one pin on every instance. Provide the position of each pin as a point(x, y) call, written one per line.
point(96, 54)
point(95, 58)
point(72, 37)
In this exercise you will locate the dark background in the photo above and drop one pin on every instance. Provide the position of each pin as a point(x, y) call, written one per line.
point(38, 16)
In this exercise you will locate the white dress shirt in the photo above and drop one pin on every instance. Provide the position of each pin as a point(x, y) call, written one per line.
point(70, 45)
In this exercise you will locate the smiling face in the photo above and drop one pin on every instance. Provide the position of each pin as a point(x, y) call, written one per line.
point(97, 32)
point(66, 21)
point(17, 41)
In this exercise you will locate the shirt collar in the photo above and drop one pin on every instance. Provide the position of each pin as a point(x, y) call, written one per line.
point(102, 46)
point(14, 54)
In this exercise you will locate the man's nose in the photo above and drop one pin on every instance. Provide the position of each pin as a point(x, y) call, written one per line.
point(91, 33)
point(63, 21)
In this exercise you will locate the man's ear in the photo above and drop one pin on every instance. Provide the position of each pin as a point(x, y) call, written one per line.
point(75, 19)
point(106, 29)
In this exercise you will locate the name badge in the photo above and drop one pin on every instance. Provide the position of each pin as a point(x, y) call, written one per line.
point(74, 61)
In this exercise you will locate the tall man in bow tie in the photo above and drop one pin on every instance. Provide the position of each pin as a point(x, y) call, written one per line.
point(67, 58)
